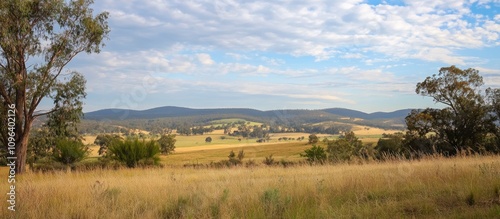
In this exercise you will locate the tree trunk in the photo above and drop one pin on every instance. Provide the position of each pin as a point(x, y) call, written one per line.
point(22, 149)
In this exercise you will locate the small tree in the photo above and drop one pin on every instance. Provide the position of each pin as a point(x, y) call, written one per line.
point(208, 139)
point(465, 121)
point(346, 147)
point(235, 160)
point(167, 143)
point(391, 144)
point(316, 154)
point(313, 139)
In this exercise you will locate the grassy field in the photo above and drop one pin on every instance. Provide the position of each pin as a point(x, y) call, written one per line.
point(193, 149)
point(430, 188)
point(233, 120)
point(256, 151)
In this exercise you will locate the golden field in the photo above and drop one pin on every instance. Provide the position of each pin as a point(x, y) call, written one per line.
point(430, 188)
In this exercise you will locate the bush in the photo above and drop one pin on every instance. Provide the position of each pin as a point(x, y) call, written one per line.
point(133, 152)
point(48, 165)
point(392, 145)
point(104, 140)
point(347, 148)
point(269, 160)
point(208, 139)
point(69, 151)
point(316, 154)
point(313, 139)
point(167, 143)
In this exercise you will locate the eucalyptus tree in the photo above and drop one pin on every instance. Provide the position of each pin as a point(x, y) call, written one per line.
point(38, 38)
point(465, 120)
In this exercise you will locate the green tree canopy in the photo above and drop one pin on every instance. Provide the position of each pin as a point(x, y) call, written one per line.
point(463, 123)
point(167, 143)
point(37, 40)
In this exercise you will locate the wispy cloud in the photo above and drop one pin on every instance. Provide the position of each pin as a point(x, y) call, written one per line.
point(327, 51)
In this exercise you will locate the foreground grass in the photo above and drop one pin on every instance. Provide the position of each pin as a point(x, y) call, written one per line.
point(434, 188)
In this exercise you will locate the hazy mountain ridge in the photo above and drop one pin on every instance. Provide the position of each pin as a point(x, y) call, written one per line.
point(173, 111)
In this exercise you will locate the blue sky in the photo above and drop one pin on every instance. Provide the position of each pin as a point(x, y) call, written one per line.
point(286, 54)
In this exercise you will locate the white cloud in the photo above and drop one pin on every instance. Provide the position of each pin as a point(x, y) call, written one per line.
point(205, 59)
point(328, 51)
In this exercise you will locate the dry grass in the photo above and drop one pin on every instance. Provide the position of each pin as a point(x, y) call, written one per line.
point(434, 188)
point(366, 130)
point(289, 151)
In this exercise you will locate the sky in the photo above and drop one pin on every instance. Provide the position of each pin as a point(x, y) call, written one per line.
point(365, 55)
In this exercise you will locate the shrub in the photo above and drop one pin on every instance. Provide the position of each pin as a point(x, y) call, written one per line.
point(274, 204)
point(316, 154)
point(133, 152)
point(313, 139)
point(470, 199)
point(104, 140)
point(347, 147)
point(208, 139)
point(69, 151)
point(47, 165)
point(167, 143)
point(269, 160)
point(286, 163)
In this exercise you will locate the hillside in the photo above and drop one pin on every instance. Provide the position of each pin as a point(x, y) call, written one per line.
point(171, 117)
point(172, 111)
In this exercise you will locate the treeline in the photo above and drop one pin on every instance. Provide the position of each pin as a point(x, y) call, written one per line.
point(467, 124)
point(280, 121)
point(194, 127)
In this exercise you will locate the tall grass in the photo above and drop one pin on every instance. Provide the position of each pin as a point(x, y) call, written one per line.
point(430, 188)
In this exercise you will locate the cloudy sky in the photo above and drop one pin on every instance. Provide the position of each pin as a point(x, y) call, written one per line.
point(366, 55)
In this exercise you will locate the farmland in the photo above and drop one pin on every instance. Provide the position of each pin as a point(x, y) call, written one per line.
point(193, 149)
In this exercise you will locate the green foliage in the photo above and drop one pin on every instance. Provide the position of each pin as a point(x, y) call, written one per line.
point(274, 205)
point(41, 38)
point(315, 154)
point(391, 144)
point(104, 141)
point(346, 148)
point(236, 160)
point(68, 106)
point(232, 161)
point(167, 143)
point(41, 145)
point(313, 139)
point(208, 139)
point(465, 121)
point(134, 152)
point(69, 151)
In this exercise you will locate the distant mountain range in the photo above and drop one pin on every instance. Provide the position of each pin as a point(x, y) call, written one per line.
point(173, 111)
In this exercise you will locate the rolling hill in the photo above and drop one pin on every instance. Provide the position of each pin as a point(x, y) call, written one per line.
point(277, 116)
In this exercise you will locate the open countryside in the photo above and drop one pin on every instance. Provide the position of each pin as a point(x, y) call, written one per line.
point(249, 109)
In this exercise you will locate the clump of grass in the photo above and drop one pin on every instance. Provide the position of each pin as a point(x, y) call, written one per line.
point(134, 152)
point(274, 205)
point(470, 200)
